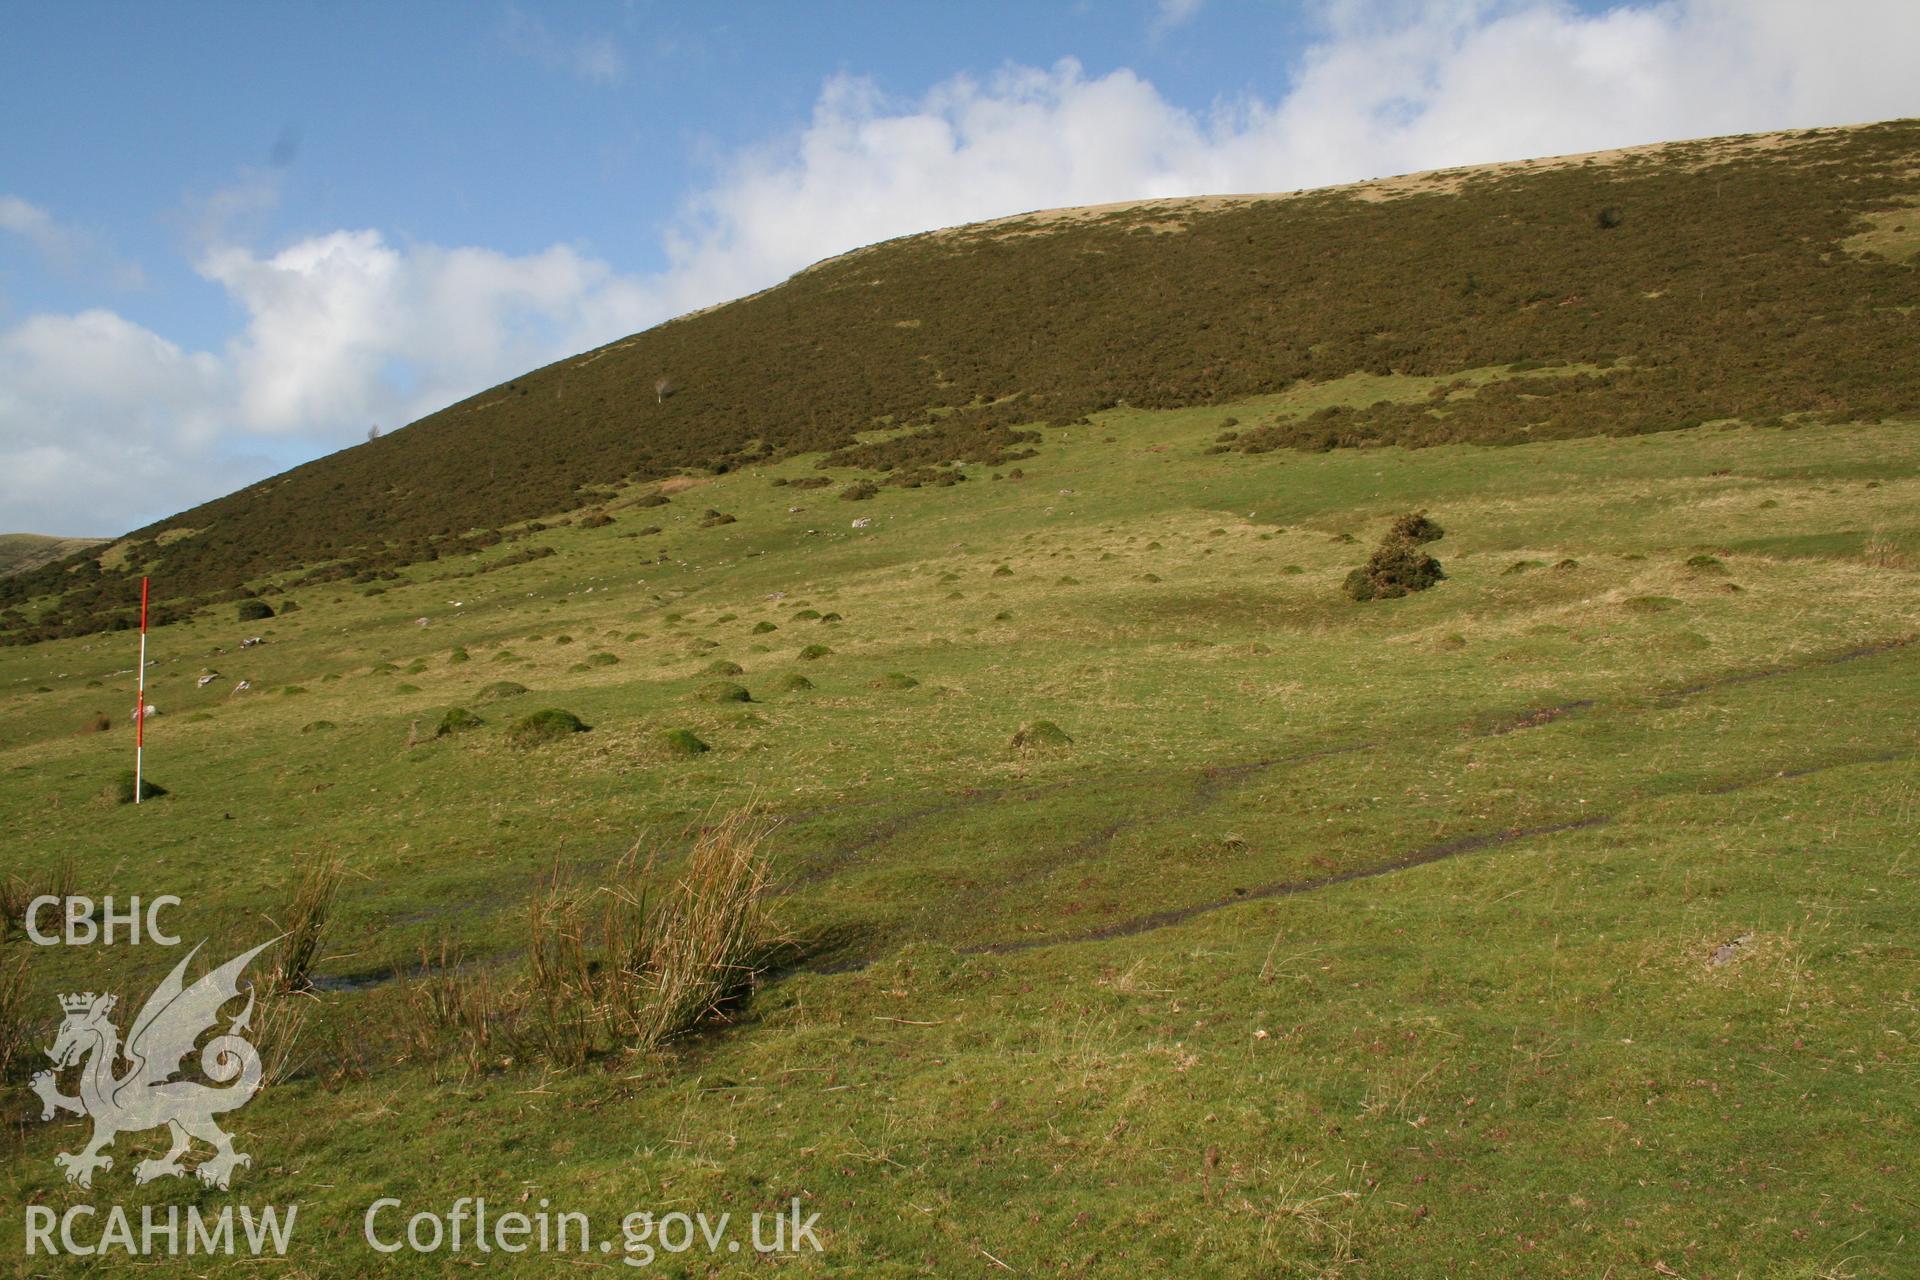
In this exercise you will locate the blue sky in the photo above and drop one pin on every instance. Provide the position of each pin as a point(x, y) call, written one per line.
point(233, 236)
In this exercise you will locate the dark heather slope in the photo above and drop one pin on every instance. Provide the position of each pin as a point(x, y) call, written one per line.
point(1769, 279)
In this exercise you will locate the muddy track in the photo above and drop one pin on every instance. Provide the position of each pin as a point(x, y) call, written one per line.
point(1805, 771)
point(1420, 857)
point(1212, 786)
point(1681, 693)
point(1285, 888)
point(1213, 783)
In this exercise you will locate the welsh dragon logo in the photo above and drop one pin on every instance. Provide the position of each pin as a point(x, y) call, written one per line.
point(145, 1095)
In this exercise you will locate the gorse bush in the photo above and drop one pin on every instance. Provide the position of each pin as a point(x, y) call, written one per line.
point(1415, 527)
point(1398, 566)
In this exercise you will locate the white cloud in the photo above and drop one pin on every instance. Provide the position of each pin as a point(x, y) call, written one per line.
point(36, 225)
point(595, 59)
point(1392, 88)
point(68, 249)
point(347, 328)
point(1169, 14)
point(100, 422)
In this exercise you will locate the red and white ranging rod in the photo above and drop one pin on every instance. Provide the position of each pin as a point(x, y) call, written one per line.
point(140, 701)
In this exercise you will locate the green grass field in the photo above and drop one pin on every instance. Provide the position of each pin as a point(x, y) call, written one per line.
point(1342, 939)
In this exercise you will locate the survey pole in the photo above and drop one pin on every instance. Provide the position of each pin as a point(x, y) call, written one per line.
point(140, 702)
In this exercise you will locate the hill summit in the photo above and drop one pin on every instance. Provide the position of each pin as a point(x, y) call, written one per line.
point(1769, 279)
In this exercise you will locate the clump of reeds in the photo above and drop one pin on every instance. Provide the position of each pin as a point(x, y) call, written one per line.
point(303, 922)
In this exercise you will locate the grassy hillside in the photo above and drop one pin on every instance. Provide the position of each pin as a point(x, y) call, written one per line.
point(1558, 921)
point(20, 552)
point(1766, 279)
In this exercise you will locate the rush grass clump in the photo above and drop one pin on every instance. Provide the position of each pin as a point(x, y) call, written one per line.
point(708, 938)
point(19, 889)
point(303, 923)
point(636, 962)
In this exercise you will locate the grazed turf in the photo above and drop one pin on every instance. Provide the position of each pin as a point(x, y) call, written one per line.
point(1366, 940)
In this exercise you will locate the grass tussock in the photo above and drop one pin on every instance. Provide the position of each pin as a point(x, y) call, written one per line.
point(18, 1034)
point(707, 939)
point(18, 890)
point(121, 789)
point(303, 923)
point(629, 964)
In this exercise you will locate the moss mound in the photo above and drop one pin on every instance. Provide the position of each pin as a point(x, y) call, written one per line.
point(550, 725)
point(318, 726)
point(795, 683)
point(457, 720)
point(894, 680)
point(121, 788)
point(682, 743)
point(1038, 737)
point(250, 611)
point(814, 652)
point(723, 691)
point(722, 668)
point(761, 628)
point(501, 689)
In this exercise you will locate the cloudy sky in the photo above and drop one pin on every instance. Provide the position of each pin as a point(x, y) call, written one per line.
point(234, 236)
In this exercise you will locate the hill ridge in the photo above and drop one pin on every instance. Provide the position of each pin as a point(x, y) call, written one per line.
point(1632, 295)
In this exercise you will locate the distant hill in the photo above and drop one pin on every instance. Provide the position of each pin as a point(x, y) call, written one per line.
point(1768, 278)
point(20, 552)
